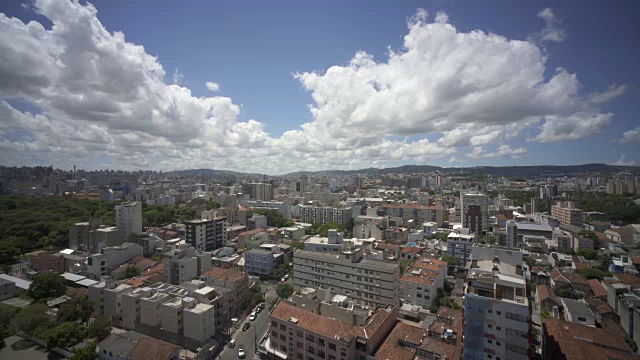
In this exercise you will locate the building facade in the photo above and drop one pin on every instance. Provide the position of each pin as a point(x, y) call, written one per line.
point(129, 219)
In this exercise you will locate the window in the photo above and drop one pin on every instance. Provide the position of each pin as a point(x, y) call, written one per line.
point(489, 311)
point(490, 341)
point(320, 342)
point(332, 346)
point(499, 312)
point(489, 326)
point(283, 327)
point(283, 338)
point(299, 344)
point(517, 317)
point(299, 333)
point(275, 324)
point(517, 349)
point(311, 350)
point(310, 337)
point(580, 318)
point(498, 328)
point(497, 343)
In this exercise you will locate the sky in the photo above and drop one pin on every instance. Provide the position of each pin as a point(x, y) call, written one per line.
point(283, 86)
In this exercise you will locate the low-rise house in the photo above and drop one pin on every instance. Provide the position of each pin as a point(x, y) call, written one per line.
point(621, 235)
point(546, 298)
point(597, 290)
point(131, 345)
point(568, 341)
point(577, 312)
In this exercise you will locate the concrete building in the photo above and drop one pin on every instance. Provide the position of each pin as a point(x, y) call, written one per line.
point(8, 289)
point(474, 210)
point(206, 234)
point(297, 333)
point(334, 242)
point(459, 244)
point(233, 285)
point(418, 213)
point(257, 221)
point(184, 263)
point(366, 227)
point(517, 229)
point(263, 262)
point(629, 312)
point(567, 214)
point(368, 281)
point(325, 215)
point(282, 207)
point(419, 284)
point(79, 234)
point(497, 311)
point(101, 264)
point(129, 219)
point(261, 191)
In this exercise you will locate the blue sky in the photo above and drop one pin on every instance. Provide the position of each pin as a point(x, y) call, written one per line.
point(253, 49)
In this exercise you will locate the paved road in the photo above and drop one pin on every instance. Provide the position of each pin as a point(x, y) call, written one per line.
point(248, 338)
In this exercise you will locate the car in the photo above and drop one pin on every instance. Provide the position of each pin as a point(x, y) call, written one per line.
point(286, 276)
point(252, 316)
point(232, 343)
point(259, 309)
point(246, 327)
point(283, 280)
point(241, 353)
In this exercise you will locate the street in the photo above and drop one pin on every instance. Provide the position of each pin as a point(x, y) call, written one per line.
point(248, 338)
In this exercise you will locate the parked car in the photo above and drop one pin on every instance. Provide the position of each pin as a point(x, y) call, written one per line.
point(252, 316)
point(258, 309)
point(232, 343)
point(246, 327)
point(241, 353)
point(286, 276)
point(283, 280)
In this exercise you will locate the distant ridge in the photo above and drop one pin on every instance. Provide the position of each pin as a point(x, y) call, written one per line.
point(507, 171)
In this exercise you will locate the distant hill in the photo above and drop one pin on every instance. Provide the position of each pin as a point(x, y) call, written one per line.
point(507, 171)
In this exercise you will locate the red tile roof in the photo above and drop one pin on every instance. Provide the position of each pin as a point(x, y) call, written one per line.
point(329, 327)
point(230, 274)
point(392, 350)
point(411, 249)
point(152, 349)
point(629, 279)
point(545, 292)
point(579, 342)
point(596, 288)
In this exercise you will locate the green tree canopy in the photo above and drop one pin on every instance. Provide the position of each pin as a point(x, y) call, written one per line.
point(86, 353)
point(78, 309)
point(256, 295)
point(32, 320)
point(99, 328)
point(284, 291)
point(47, 285)
point(65, 335)
point(274, 217)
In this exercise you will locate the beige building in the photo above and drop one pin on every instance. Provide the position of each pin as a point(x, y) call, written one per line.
point(420, 214)
point(369, 282)
point(567, 214)
point(297, 333)
point(419, 284)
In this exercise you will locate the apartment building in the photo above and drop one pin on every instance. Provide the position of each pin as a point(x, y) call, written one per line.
point(517, 229)
point(419, 284)
point(368, 281)
point(459, 244)
point(365, 227)
point(497, 310)
point(298, 333)
point(260, 191)
point(186, 315)
point(281, 206)
point(474, 210)
point(79, 234)
point(206, 234)
point(129, 219)
point(441, 339)
point(101, 264)
point(325, 215)
point(184, 263)
point(567, 214)
point(233, 284)
point(263, 261)
point(420, 214)
point(334, 242)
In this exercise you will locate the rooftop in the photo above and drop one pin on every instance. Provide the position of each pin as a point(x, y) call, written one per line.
point(231, 274)
point(391, 349)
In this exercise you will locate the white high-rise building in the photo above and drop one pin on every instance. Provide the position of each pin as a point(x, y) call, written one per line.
point(129, 219)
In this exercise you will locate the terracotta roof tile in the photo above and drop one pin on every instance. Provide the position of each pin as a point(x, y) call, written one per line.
point(596, 288)
point(629, 279)
point(579, 342)
point(152, 349)
point(392, 350)
point(411, 249)
point(230, 274)
point(545, 292)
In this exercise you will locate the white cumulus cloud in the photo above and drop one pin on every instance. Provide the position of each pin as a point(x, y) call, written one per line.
point(553, 30)
point(101, 96)
point(212, 86)
point(503, 151)
point(623, 162)
point(631, 136)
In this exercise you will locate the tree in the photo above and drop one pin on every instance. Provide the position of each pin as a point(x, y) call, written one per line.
point(632, 344)
point(324, 229)
point(99, 328)
point(452, 260)
point(79, 308)
point(589, 254)
point(86, 353)
point(131, 271)
point(592, 273)
point(32, 320)
point(47, 285)
point(256, 295)
point(65, 335)
point(297, 245)
point(212, 205)
point(545, 314)
point(284, 291)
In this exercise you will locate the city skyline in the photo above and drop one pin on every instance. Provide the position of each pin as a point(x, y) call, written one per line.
point(437, 83)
